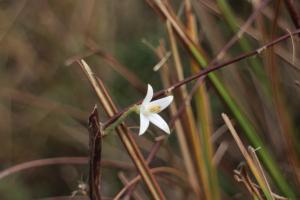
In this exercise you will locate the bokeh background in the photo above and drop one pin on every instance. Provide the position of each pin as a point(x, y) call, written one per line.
point(45, 103)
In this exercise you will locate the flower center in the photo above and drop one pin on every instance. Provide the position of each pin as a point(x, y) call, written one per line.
point(154, 108)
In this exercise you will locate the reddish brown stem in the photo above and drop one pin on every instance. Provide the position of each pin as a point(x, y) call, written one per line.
point(206, 71)
point(291, 7)
point(60, 161)
point(150, 157)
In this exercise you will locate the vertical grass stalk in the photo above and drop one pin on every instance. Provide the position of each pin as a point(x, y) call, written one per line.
point(241, 118)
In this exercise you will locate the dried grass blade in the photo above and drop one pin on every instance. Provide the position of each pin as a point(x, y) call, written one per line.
point(244, 122)
point(241, 175)
point(188, 119)
point(259, 167)
point(182, 139)
point(204, 112)
point(123, 133)
point(247, 157)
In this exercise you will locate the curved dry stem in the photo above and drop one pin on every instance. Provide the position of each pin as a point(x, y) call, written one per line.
point(157, 170)
point(60, 161)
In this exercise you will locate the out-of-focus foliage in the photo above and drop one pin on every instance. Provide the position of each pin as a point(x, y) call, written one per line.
point(45, 103)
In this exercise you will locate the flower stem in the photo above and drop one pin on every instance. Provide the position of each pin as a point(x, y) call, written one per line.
point(135, 108)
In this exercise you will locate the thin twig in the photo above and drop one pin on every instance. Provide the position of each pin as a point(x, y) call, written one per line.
point(257, 174)
point(241, 31)
point(154, 149)
point(241, 175)
point(154, 171)
point(280, 51)
point(60, 161)
point(208, 70)
point(134, 193)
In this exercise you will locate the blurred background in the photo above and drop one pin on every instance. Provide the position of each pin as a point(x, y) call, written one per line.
point(45, 101)
point(45, 104)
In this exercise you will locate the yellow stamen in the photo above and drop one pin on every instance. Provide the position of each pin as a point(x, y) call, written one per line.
point(154, 108)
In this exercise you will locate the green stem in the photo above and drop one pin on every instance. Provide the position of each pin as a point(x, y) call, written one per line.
point(134, 108)
point(245, 45)
point(247, 127)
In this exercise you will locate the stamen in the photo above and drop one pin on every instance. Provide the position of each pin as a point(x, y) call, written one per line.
point(154, 108)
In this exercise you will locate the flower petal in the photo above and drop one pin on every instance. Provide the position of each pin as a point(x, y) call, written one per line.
point(159, 122)
point(149, 95)
point(162, 103)
point(144, 124)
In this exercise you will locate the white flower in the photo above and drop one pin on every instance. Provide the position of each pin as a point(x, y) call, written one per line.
point(149, 110)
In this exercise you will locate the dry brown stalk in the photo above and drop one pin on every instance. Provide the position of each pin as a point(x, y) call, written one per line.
point(280, 103)
point(250, 162)
point(123, 132)
point(252, 152)
point(95, 155)
point(242, 175)
point(204, 114)
point(187, 117)
point(183, 144)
